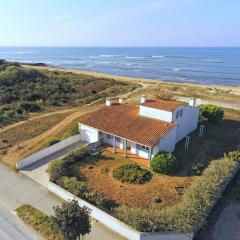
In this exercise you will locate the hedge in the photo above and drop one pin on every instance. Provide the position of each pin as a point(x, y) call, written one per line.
point(81, 190)
point(60, 167)
point(132, 173)
point(190, 214)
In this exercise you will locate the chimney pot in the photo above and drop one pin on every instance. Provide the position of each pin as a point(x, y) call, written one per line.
point(192, 102)
point(108, 102)
point(143, 99)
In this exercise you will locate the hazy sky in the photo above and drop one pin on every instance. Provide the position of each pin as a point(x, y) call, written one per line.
point(120, 22)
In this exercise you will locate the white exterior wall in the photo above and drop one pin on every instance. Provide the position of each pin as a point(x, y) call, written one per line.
point(167, 143)
point(88, 134)
point(155, 113)
point(188, 122)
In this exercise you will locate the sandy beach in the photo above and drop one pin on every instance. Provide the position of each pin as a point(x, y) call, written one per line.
point(142, 81)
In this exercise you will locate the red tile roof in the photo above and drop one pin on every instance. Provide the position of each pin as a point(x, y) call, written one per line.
point(124, 121)
point(163, 105)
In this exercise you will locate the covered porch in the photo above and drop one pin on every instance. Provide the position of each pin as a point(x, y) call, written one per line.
point(129, 149)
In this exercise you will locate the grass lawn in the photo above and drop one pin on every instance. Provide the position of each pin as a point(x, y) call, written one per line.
point(39, 221)
point(97, 172)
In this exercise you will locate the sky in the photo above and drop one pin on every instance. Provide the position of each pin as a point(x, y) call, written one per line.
point(120, 23)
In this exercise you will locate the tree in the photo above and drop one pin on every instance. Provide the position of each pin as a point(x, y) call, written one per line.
point(72, 220)
point(211, 112)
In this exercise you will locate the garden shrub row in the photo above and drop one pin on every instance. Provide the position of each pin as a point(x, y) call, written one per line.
point(60, 167)
point(81, 190)
point(211, 112)
point(59, 173)
point(132, 173)
point(190, 214)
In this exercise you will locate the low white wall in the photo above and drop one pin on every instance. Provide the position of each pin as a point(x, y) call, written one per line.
point(97, 214)
point(113, 223)
point(47, 151)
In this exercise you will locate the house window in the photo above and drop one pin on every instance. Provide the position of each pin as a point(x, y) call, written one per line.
point(118, 139)
point(145, 148)
point(109, 136)
point(179, 113)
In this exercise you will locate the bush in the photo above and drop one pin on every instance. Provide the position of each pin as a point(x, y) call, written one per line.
point(60, 167)
point(132, 173)
point(53, 141)
point(73, 130)
point(211, 112)
point(30, 107)
point(81, 190)
point(164, 163)
point(40, 222)
point(190, 214)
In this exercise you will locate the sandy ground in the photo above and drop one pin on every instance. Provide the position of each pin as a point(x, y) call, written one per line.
point(142, 81)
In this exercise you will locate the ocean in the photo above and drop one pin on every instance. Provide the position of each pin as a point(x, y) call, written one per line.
point(214, 66)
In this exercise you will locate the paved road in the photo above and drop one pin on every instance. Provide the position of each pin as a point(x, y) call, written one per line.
point(12, 228)
point(17, 189)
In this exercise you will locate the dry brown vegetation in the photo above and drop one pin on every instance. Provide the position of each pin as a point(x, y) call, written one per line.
point(98, 173)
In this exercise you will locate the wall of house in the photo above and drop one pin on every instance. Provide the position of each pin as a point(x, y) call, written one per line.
point(140, 152)
point(88, 134)
point(155, 113)
point(188, 122)
point(167, 143)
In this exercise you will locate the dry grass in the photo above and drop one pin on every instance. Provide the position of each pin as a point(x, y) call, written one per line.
point(42, 130)
point(98, 174)
point(39, 221)
point(218, 138)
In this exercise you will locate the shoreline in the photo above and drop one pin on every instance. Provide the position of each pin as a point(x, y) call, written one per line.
point(141, 81)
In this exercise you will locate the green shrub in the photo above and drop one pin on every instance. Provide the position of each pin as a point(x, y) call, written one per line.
point(211, 112)
point(40, 222)
point(30, 107)
point(198, 168)
point(73, 130)
point(164, 163)
point(132, 173)
point(60, 167)
point(53, 141)
point(81, 190)
point(189, 214)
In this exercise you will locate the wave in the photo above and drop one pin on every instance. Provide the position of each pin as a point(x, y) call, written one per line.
point(160, 56)
point(23, 52)
point(176, 69)
point(129, 57)
point(108, 55)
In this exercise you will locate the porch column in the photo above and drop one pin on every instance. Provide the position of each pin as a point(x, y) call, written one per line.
point(114, 144)
point(149, 155)
point(125, 148)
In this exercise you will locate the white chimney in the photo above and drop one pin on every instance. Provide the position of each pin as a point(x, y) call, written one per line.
point(108, 102)
point(143, 99)
point(120, 100)
point(192, 102)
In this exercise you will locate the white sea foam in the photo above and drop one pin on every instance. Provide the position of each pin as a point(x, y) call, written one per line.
point(176, 69)
point(22, 52)
point(129, 57)
point(160, 56)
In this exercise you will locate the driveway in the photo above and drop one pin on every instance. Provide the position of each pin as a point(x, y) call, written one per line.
point(17, 189)
point(37, 171)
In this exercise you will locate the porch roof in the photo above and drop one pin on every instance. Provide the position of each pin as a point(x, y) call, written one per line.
point(124, 121)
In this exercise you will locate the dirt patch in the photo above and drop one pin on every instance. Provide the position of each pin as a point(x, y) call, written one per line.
point(98, 174)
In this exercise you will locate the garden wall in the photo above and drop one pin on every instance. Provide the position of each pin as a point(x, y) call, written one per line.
point(47, 151)
point(113, 223)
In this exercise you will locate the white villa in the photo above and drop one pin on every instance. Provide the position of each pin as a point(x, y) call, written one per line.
point(144, 130)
